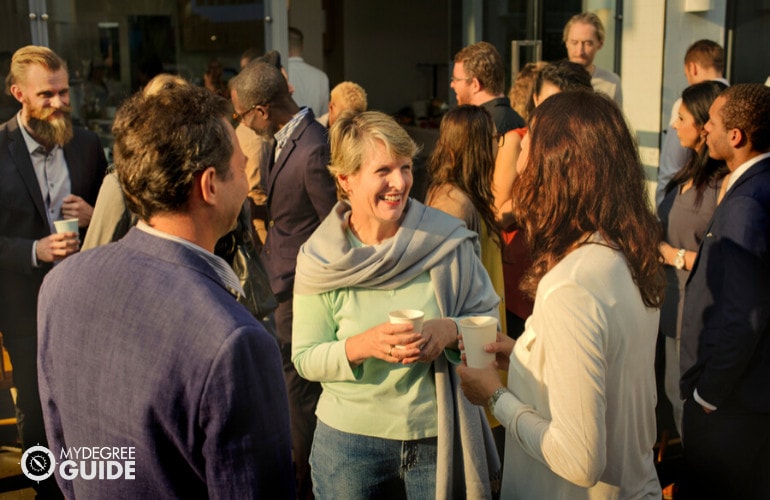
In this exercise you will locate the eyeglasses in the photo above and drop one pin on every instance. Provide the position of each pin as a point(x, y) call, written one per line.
point(238, 117)
point(453, 79)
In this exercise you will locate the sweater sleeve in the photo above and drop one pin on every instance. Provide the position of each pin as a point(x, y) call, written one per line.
point(571, 441)
point(316, 351)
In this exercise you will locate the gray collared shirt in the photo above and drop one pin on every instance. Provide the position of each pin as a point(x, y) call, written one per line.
point(53, 176)
point(223, 271)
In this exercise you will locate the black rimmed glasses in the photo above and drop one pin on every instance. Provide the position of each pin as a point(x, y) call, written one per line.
point(453, 79)
point(238, 117)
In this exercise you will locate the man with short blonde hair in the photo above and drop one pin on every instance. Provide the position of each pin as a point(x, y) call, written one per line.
point(346, 97)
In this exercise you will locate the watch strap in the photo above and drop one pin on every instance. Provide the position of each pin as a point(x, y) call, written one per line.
point(495, 396)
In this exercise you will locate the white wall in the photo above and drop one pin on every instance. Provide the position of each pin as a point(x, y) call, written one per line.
point(682, 29)
point(605, 9)
point(642, 76)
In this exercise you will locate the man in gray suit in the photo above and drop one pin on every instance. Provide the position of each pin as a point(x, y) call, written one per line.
point(300, 194)
point(49, 170)
point(143, 347)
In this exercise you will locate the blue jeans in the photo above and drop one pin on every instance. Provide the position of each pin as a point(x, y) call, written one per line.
point(354, 467)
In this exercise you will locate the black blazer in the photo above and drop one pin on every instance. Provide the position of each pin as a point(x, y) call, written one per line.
point(725, 344)
point(23, 219)
point(300, 194)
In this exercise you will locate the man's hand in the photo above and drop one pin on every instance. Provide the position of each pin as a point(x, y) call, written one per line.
point(76, 207)
point(478, 384)
point(55, 247)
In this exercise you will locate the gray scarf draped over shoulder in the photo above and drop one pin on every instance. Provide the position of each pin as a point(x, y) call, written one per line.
point(428, 240)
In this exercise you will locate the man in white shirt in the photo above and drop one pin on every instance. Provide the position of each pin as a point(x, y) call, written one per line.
point(311, 85)
point(584, 37)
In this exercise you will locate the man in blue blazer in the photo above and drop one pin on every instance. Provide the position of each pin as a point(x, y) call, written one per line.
point(49, 170)
point(143, 347)
point(300, 194)
point(725, 346)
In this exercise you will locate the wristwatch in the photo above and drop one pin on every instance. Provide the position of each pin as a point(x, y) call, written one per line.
point(679, 259)
point(495, 396)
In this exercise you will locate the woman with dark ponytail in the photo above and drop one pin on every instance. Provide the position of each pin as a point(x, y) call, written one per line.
point(690, 200)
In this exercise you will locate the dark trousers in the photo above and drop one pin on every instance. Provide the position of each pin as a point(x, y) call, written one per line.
point(29, 412)
point(303, 398)
point(727, 453)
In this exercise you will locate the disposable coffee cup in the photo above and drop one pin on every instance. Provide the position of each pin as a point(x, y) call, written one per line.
point(478, 331)
point(412, 317)
point(66, 225)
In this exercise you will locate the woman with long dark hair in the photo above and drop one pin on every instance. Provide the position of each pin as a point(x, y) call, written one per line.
point(461, 168)
point(690, 200)
point(579, 408)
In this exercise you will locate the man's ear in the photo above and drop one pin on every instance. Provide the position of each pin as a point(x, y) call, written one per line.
point(206, 183)
point(692, 69)
point(16, 92)
point(476, 85)
point(736, 138)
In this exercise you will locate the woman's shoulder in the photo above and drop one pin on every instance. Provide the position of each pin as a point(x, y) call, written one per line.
point(455, 202)
point(592, 265)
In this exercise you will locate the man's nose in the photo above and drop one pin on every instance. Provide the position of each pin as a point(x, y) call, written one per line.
point(59, 101)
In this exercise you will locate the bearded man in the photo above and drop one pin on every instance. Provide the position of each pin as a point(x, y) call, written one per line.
point(49, 170)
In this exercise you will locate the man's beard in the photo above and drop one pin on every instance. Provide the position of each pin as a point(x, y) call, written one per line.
point(268, 132)
point(51, 130)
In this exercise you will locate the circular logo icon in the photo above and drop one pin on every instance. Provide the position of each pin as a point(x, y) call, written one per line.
point(38, 463)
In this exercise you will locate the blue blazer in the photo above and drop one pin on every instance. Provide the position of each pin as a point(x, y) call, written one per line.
point(140, 345)
point(23, 219)
point(725, 344)
point(300, 194)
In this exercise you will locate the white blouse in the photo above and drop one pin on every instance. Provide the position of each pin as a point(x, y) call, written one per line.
point(580, 418)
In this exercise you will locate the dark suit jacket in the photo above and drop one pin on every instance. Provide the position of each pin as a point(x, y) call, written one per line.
point(23, 219)
point(301, 192)
point(140, 345)
point(725, 346)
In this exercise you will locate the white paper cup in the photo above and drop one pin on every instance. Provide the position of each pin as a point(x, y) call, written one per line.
point(477, 332)
point(66, 225)
point(412, 317)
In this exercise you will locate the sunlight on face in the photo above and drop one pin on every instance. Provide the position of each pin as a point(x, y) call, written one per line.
point(582, 44)
point(690, 133)
point(378, 192)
